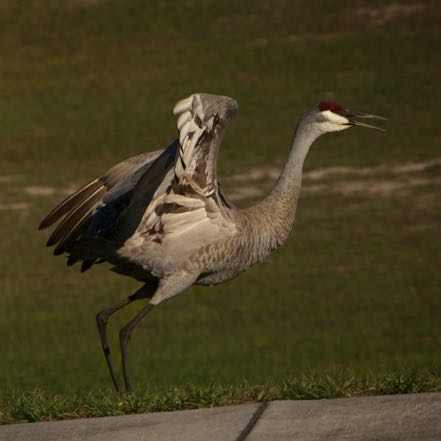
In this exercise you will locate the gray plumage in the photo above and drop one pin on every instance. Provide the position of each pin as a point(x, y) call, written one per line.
point(162, 218)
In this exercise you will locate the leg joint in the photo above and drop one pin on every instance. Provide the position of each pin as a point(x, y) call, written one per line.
point(102, 317)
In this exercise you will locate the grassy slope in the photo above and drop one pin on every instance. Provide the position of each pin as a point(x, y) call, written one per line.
point(356, 288)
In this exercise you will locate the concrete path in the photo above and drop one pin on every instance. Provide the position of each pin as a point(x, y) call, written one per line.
point(413, 417)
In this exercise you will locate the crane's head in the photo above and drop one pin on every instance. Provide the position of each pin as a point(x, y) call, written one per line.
point(329, 116)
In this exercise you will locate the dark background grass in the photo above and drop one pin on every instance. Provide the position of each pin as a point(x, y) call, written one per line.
point(84, 84)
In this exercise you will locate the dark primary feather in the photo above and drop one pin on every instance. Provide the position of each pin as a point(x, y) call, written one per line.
point(76, 211)
point(72, 260)
point(69, 203)
point(87, 264)
point(75, 223)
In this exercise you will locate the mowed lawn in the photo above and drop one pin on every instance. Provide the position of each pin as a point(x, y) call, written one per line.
point(84, 84)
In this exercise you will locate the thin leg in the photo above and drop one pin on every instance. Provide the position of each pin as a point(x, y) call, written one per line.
point(124, 338)
point(102, 318)
point(165, 290)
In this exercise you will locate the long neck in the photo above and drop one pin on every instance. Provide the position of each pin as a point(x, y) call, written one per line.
point(290, 180)
point(271, 220)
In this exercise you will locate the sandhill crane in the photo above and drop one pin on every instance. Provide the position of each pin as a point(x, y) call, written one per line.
point(162, 218)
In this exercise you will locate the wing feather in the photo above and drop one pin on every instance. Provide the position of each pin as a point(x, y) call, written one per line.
point(70, 203)
point(202, 119)
point(76, 211)
point(173, 193)
point(189, 210)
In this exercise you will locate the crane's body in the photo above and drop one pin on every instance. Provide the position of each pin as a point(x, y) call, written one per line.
point(163, 219)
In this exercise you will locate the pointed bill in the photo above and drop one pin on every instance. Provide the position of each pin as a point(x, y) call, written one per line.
point(369, 126)
point(349, 114)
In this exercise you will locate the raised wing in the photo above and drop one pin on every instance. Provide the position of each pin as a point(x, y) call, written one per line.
point(188, 207)
point(76, 211)
point(172, 194)
point(202, 120)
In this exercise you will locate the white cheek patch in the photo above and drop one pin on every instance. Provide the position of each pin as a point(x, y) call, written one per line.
point(334, 117)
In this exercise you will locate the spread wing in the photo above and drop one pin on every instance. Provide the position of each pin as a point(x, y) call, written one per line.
point(172, 194)
point(76, 211)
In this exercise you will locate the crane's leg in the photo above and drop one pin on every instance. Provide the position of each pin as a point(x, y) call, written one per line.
point(102, 318)
point(124, 338)
point(168, 288)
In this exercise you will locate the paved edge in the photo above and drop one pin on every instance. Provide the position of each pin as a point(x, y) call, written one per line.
point(407, 417)
point(211, 424)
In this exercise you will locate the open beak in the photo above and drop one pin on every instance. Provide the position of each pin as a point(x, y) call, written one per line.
point(349, 114)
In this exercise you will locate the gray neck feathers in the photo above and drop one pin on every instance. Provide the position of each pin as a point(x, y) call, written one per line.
point(290, 179)
point(270, 221)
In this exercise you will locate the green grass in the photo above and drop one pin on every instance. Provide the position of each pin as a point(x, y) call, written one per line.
point(40, 406)
point(356, 288)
